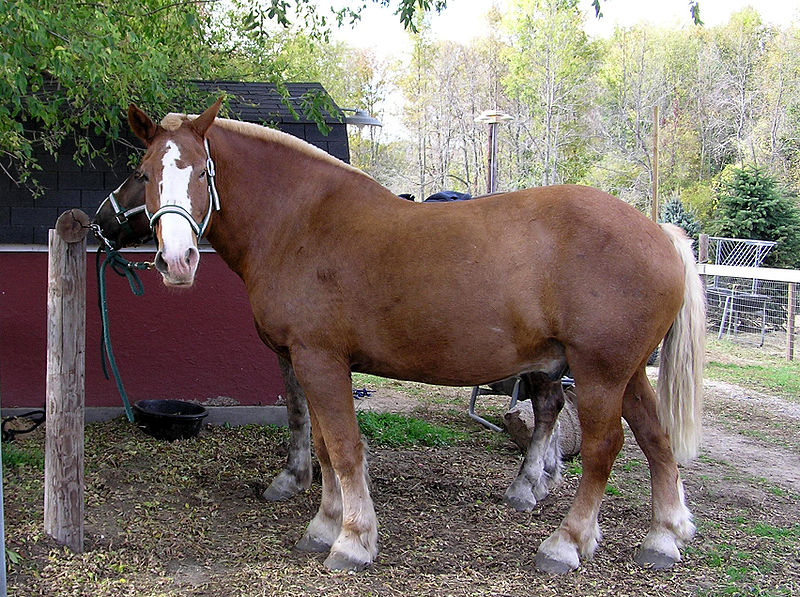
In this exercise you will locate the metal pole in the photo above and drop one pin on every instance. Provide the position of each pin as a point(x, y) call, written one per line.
point(491, 175)
point(492, 118)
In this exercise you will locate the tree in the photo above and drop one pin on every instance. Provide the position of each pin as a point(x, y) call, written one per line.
point(740, 48)
point(69, 69)
point(673, 212)
point(750, 205)
point(550, 70)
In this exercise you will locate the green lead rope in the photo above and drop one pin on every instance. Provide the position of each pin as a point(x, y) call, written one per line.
point(121, 267)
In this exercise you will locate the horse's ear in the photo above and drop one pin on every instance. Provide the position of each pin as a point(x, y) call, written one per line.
point(140, 124)
point(201, 123)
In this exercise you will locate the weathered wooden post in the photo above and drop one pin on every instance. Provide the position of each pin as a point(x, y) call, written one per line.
point(66, 341)
point(790, 321)
point(654, 204)
point(702, 253)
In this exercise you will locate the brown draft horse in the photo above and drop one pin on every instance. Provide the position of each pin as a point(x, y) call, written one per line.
point(345, 276)
point(121, 221)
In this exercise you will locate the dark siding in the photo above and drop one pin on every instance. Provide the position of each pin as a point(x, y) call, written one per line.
point(25, 219)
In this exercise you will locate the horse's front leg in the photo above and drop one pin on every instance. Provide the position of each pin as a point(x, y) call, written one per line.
point(541, 468)
point(337, 439)
point(296, 475)
point(326, 525)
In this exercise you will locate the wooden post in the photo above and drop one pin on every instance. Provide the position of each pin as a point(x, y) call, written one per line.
point(790, 321)
point(66, 341)
point(702, 249)
point(654, 206)
point(702, 253)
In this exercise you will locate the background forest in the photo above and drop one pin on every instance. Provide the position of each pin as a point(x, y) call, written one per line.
point(728, 96)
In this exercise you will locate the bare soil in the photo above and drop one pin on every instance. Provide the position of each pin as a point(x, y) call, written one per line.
point(185, 518)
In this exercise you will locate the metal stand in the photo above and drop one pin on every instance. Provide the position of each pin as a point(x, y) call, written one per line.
point(479, 391)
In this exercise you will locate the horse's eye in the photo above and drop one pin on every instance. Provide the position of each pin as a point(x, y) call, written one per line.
point(203, 174)
point(139, 175)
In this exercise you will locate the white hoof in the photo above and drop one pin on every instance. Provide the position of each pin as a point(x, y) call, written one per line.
point(557, 555)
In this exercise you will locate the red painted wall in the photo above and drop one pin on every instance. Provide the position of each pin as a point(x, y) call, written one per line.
point(198, 343)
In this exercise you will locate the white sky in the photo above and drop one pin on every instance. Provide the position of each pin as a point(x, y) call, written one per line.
point(380, 28)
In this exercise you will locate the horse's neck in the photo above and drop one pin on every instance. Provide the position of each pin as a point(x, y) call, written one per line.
point(265, 189)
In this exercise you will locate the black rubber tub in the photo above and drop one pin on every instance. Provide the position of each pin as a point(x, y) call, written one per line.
point(169, 419)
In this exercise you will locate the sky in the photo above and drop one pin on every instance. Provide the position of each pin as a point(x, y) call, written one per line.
point(463, 20)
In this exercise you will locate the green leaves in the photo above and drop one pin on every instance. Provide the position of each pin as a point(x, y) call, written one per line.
point(68, 69)
point(408, 10)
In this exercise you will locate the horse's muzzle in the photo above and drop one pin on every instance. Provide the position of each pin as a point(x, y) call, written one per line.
point(178, 270)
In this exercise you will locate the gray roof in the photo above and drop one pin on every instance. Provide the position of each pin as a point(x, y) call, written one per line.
point(262, 103)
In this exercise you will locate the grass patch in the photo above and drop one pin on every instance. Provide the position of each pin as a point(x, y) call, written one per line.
point(575, 467)
point(753, 369)
point(15, 456)
point(742, 567)
point(782, 378)
point(395, 430)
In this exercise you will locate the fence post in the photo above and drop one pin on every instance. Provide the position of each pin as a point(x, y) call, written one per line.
point(66, 341)
point(790, 322)
point(702, 253)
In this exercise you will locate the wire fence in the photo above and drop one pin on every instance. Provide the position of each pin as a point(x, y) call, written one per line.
point(752, 307)
point(761, 318)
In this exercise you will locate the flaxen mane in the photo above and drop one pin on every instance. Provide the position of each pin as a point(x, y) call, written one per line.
point(172, 121)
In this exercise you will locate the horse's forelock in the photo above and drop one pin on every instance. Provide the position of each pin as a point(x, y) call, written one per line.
point(173, 120)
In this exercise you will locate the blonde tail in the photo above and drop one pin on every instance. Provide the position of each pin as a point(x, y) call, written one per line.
point(680, 375)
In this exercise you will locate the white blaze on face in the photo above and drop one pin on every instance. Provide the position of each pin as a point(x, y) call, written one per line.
point(175, 230)
point(178, 258)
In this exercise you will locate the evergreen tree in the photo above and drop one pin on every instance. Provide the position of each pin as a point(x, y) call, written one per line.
point(673, 212)
point(752, 206)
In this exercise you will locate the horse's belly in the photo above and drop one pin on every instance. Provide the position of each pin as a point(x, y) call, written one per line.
point(467, 359)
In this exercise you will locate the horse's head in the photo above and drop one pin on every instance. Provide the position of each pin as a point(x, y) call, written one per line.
point(121, 218)
point(175, 171)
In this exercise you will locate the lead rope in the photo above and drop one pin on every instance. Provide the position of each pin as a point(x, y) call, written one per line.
point(121, 267)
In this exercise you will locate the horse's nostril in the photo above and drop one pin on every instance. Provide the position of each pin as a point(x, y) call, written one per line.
point(161, 264)
point(192, 257)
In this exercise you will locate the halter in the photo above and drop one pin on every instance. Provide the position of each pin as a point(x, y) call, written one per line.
point(213, 202)
point(122, 215)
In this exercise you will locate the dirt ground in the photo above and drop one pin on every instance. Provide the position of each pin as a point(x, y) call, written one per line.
point(185, 518)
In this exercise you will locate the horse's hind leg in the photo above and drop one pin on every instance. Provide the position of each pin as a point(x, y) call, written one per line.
point(296, 475)
point(541, 468)
point(671, 526)
point(599, 411)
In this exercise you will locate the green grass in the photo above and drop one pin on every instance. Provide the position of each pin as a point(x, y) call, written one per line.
point(742, 568)
point(753, 368)
point(15, 456)
point(782, 378)
point(395, 430)
point(575, 467)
